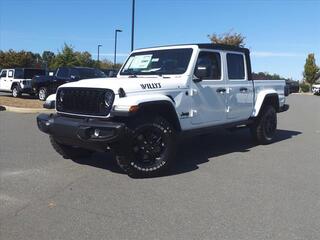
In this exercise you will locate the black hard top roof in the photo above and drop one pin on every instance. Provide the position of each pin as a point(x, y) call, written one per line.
point(212, 46)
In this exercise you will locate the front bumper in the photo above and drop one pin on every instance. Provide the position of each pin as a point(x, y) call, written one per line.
point(85, 132)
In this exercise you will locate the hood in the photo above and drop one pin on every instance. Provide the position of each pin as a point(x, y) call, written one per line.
point(130, 85)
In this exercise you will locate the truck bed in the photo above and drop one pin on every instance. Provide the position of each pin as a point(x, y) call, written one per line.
point(270, 85)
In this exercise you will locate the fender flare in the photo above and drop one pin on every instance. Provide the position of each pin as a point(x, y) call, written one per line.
point(15, 83)
point(154, 102)
point(260, 100)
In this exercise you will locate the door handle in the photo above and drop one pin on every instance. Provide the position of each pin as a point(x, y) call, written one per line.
point(243, 89)
point(221, 90)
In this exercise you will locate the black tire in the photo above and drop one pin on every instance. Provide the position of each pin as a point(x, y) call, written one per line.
point(43, 93)
point(265, 126)
point(152, 148)
point(69, 152)
point(16, 91)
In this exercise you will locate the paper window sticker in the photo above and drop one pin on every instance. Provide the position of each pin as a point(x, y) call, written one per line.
point(140, 62)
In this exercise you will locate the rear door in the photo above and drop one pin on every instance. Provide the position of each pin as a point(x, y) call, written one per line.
point(239, 90)
point(209, 95)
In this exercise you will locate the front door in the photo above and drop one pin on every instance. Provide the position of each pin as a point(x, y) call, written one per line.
point(209, 94)
point(3, 80)
point(240, 90)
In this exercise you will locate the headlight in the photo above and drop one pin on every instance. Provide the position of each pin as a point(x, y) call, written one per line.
point(108, 99)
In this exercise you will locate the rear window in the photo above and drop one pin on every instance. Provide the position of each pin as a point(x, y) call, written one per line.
point(235, 63)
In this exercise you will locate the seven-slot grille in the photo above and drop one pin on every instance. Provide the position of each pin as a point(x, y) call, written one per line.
point(84, 101)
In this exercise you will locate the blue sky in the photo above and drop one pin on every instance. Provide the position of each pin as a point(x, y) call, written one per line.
point(279, 33)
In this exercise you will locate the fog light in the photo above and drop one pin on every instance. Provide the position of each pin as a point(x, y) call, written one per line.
point(96, 132)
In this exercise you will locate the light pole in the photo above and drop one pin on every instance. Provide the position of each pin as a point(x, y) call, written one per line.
point(99, 54)
point(115, 47)
point(132, 26)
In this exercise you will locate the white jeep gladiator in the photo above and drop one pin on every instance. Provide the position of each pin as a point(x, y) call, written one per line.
point(159, 95)
point(18, 80)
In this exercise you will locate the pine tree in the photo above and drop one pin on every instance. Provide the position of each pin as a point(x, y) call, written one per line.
point(310, 69)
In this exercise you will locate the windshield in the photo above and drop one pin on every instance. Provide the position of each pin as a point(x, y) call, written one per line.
point(169, 61)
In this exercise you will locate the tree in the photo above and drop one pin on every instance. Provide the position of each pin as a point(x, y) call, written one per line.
point(310, 69)
point(107, 64)
point(48, 58)
point(84, 59)
point(228, 38)
point(66, 58)
point(12, 59)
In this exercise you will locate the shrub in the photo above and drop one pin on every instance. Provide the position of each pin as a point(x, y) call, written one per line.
point(304, 87)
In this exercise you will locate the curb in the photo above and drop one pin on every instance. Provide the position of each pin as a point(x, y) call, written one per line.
point(302, 93)
point(24, 110)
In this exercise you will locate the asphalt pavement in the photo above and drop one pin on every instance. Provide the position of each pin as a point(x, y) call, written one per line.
point(223, 187)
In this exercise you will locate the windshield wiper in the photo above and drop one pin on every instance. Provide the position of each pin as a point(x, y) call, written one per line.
point(132, 76)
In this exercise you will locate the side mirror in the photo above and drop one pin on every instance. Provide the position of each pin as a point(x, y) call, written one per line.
point(200, 73)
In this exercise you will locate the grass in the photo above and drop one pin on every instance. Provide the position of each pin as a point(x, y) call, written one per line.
point(25, 101)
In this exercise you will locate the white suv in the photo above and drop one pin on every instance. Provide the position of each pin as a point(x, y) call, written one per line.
point(18, 80)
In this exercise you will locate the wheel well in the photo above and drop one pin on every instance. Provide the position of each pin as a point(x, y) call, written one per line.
point(271, 99)
point(14, 84)
point(163, 108)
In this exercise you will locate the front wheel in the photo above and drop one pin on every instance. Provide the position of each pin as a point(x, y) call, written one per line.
point(152, 148)
point(265, 126)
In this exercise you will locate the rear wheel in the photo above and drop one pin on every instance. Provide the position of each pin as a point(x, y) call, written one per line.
point(16, 92)
point(265, 126)
point(69, 152)
point(152, 148)
point(43, 93)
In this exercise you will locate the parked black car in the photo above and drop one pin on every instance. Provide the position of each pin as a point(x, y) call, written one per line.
point(46, 85)
point(293, 86)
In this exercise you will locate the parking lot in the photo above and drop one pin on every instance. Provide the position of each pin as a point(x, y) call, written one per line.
point(222, 187)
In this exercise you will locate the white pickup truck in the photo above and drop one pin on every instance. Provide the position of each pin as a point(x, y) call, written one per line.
point(18, 80)
point(159, 95)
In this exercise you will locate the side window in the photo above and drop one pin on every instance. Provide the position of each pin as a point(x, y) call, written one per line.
point(235, 64)
point(63, 73)
point(212, 62)
point(4, 73)
point(10, 73)
point(74, 74)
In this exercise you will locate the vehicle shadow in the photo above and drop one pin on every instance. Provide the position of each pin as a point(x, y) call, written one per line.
point(192, 152)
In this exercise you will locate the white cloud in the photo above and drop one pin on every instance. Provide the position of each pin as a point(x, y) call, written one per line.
point(276, 54)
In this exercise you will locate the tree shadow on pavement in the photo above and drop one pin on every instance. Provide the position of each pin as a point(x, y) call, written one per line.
point(192, 152)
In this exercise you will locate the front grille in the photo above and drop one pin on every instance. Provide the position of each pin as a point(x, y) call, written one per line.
point(84, 101)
